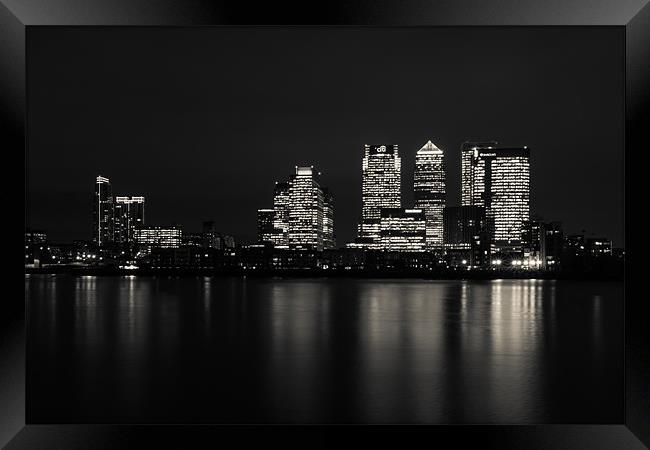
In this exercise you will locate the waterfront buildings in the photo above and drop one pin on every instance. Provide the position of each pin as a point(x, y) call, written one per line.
point(429, 192)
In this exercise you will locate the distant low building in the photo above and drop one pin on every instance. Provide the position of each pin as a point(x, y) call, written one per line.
point(158, 236)
point(36, 248)
point(403, 230)
point(599, 247)
point(192, 239)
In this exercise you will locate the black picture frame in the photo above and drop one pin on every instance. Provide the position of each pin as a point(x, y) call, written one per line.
point(18, 16)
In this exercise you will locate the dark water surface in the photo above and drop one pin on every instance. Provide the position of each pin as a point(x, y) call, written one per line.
point(147, 349)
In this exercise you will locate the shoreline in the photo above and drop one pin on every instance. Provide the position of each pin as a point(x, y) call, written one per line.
point(321, 273)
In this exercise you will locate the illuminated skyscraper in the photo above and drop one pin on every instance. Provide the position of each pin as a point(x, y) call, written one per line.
point(403, 230)
point(467, 157)
point(265, 225)
point(305, 210)
point(329, 240)
point(381, 188)
point(429, 191)
point(281, 214)
point(128, 213)
point(499, 180)
point(103, 212)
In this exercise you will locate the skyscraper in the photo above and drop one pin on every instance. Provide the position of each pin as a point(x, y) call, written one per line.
point(211, 238)
point(103, 212)
point(429, 191)
point(403, 230)
point(281, 214)
point(305, 210)
point(265, 225)
point(128, 214)
point(499, 180)
point(329, 240)
point(381, 188)
point(467, 150)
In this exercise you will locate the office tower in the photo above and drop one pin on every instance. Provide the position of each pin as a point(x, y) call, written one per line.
point(381, 188)
point(305, 210)
point(402, 230)
point(465, 235)
point(265, 225)
point(103, 212)
point(128, 214)
point(467, 155)
point(281, 214)
point(211, 236)
point(532, 238)
point(159, 237)
point(499, 180)
point(552, 244)
point(329, 240)
point(429, 191)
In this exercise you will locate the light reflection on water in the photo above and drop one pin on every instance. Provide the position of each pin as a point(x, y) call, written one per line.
point(316, 350)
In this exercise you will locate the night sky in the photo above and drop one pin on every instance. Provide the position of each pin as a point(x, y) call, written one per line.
point(203, 121)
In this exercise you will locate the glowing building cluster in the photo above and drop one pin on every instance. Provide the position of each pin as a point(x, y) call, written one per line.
point(302, 216)
point(115, 219)
point(429, 192)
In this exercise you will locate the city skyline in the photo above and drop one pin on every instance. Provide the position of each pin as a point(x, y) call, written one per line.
point(184, 117)
point(128, 211)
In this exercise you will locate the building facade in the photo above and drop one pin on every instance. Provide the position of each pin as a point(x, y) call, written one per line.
point(158, 237)
point(381, 188)
point(265, 225)
point(305, 210)
point(465, 236)
point(429, 191)
point(103, 212)
point(499, 180)
point(403, 230)
point(467, 155)
point(128, 214)
point(281, 214)
point(329, 239)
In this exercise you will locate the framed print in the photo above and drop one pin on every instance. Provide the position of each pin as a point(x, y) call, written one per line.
point(272, 223)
